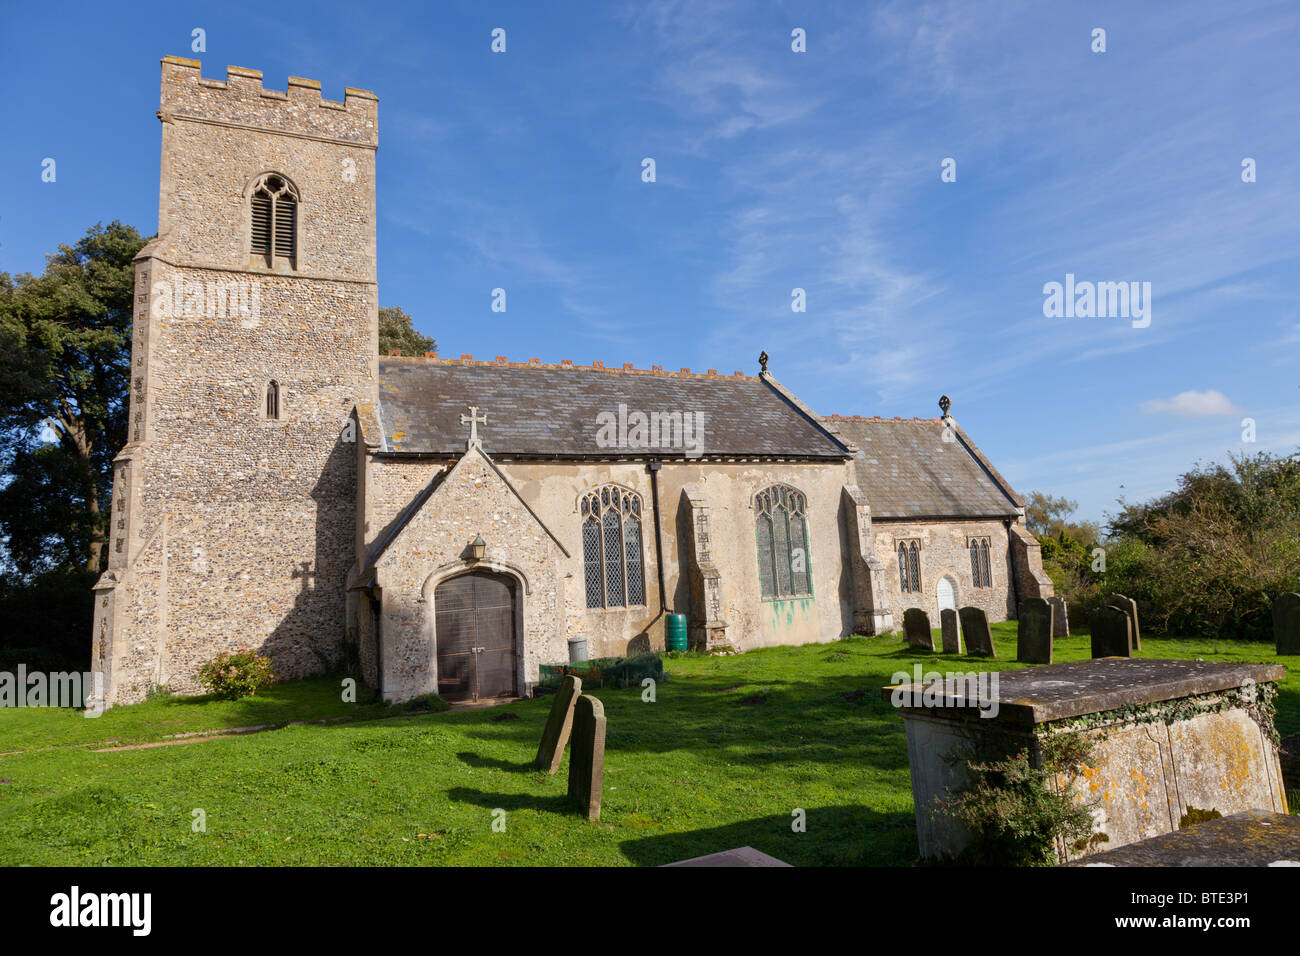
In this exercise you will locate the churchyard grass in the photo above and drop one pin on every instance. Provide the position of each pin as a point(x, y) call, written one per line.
point(163, 717)
point(731, 748)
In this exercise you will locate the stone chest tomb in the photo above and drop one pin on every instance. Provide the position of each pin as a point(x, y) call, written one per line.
point(1171, 739)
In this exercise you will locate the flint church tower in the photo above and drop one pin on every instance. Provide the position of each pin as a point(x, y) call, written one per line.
point(255, 335)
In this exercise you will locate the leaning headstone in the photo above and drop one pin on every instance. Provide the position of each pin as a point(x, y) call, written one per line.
point(587, 758)
point(1129, 607)
point(1286, 623)
point(916, 625)
point(558, 724)
point(975, 632)
point(1060, 617)
point(948, 625)
point(1034, 631)
point(1112, 634)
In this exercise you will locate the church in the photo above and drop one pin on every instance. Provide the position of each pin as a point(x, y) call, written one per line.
point(449, 525)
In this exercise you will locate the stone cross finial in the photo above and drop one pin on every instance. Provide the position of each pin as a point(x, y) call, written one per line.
point(473, 420)
point(945, 403)
point(762, 361)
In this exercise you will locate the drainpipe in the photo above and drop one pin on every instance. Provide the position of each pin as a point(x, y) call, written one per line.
point(654, 467)
point(1011, 554)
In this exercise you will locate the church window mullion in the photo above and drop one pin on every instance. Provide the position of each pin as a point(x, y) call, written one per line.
point(781, 539)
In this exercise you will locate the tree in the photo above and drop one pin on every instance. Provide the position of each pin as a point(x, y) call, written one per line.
point(396, 333)
point(65, 358)
point(1066, 546)
point(1210, 557)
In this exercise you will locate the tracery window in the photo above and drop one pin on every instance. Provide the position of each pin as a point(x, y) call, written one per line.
point(274, 207)
point(980, 567)
point(909, 566)
point(784, 570)
point(611, 547)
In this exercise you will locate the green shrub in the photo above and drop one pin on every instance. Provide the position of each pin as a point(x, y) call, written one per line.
point(238, 674)
point(633, 670)
point(1013, 812)
point(430, 703)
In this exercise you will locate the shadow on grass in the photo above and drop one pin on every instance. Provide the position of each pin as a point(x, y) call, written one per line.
point(509, 766)
point(839, 720)
point(835, 836)
point(513, 801)
point(1288, 703)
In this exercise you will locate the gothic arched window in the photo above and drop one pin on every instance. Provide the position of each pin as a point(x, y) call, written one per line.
point(781, 527)
point(980, 566)
point(909, 566)
point(274, 207)
point(611, 547)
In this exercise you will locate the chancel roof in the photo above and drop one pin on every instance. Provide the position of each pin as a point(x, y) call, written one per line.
point(907, 470)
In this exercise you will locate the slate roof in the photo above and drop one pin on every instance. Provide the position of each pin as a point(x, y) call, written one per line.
point(551, 410)
point(907, 470)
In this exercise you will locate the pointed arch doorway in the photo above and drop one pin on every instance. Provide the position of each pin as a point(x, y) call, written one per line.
point(475, 633)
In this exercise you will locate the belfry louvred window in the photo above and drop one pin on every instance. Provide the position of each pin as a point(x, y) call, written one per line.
point(611, 548)
point(781, 526)
point(274, 218)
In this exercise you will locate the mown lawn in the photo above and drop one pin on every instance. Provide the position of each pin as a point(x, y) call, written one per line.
point(729, 750)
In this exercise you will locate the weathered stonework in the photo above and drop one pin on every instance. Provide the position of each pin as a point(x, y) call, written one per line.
point(471, 498)
point(229, 530)
point(1166, 736)
point(945, 553)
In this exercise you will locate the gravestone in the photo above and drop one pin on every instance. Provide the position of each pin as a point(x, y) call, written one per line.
point(1060, 617)
point(916, 625)
point(1129, 607)
point(1034, 631)
point(975, 632)
point(558, 724)
point(951, 636)
point(1286, 623)
point(587, 758)
point(1112, 634)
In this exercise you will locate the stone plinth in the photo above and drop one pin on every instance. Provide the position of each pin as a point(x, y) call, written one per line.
point(1169, 737)
point(1249, 838)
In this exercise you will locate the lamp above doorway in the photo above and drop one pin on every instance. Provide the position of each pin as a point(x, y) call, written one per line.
point(477, 547)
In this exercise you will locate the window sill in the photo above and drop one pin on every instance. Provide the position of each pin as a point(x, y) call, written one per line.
point(283, 265)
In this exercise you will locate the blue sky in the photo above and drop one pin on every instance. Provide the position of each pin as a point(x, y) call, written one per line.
point(775, 170)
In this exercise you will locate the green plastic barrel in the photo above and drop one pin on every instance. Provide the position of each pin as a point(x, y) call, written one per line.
point(676, 632)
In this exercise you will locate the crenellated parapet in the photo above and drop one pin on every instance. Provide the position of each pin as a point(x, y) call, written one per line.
point(241, 101)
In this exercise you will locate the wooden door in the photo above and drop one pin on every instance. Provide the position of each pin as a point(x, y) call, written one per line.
point(474, 627)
